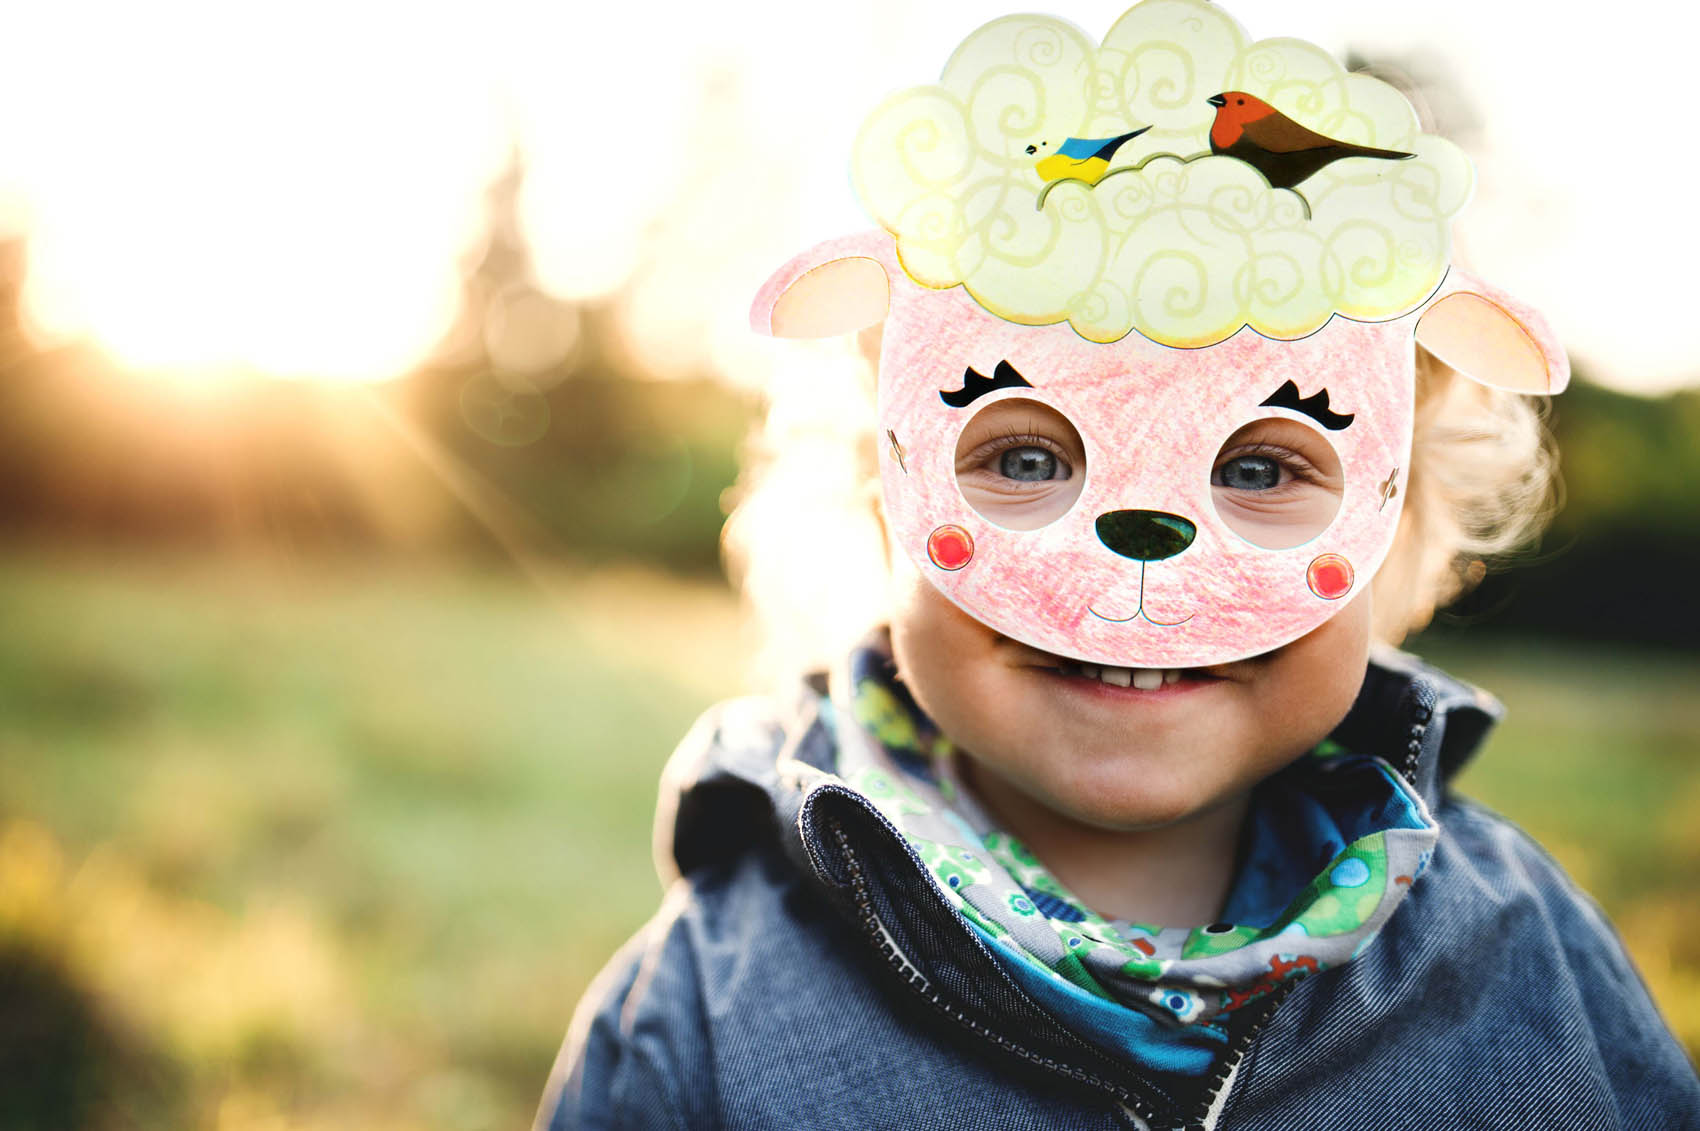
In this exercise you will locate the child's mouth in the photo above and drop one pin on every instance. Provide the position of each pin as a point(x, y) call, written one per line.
point(1140, 679)
point(1110, 676)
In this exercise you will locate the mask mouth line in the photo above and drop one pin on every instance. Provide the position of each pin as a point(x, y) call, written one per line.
point(1140, 613)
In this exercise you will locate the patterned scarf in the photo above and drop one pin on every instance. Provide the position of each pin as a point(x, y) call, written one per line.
point(1331, 845)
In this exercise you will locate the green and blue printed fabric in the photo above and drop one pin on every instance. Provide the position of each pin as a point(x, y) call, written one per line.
point(1332, 845)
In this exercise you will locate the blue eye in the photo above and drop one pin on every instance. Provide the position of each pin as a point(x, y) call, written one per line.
point(1030, 465)
point(1249, 473)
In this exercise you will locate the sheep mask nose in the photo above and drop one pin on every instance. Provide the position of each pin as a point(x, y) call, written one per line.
point(1145, 536)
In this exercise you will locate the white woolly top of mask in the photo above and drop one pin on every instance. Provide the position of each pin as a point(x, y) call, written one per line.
point(1171, 240)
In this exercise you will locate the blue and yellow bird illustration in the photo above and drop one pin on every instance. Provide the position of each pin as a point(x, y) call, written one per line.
point(1081, 158)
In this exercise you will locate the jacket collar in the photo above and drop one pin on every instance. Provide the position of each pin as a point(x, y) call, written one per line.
point(726, 793)
point(1424, 722)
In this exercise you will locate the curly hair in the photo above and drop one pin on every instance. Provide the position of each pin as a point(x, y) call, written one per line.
point(1483, 484)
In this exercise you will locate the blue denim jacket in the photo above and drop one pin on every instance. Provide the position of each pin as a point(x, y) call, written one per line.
point(804, 972)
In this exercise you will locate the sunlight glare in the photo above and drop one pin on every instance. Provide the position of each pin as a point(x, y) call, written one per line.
point(223, 189)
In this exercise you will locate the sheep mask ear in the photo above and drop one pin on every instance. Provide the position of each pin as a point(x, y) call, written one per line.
point(1492, 338)
point(838, 287)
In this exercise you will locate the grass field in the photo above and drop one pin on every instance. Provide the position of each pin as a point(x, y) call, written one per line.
point(321, 845)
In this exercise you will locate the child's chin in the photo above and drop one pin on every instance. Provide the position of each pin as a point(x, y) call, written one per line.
point(1146, 811)
point(1125, 770)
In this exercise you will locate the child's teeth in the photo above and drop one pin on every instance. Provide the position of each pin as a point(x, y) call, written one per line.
point(1145, 679)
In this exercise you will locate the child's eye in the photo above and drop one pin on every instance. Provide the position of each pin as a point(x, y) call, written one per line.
point(1277, 483)
point(1016, 462)
point(1249, 473)
point(1256, 464)
point(1030, 464)
point(1020, 464)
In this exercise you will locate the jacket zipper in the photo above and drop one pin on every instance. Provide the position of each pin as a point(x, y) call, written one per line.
point(918, 982)
point(1219, 1102)
point(1420, 716)
point(1225, 1076)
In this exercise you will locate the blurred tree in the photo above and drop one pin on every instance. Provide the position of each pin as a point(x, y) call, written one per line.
point(606, 459)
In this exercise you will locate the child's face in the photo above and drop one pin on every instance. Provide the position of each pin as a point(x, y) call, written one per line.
point(1122, 757)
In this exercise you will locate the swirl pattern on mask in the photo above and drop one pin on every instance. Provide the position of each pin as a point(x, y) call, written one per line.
point(1179, 245)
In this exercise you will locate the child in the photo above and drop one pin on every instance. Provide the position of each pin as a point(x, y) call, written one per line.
point(1121, 822)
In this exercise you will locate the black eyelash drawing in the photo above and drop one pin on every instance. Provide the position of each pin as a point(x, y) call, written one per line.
point(974, 385)
point(1314, 406)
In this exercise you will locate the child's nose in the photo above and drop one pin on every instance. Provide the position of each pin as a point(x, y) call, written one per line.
point(1146, 536)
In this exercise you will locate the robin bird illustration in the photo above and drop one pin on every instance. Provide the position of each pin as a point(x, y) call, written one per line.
point(1285, 152)
point(1083, 159)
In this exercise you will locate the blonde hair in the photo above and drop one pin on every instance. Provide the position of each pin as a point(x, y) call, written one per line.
point(805, 542)
point(1482, 485)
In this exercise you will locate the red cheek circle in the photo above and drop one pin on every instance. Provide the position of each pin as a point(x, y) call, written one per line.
point(950, 547)
point(1330, 577)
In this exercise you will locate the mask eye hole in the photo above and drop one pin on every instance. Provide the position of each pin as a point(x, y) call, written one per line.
point(1277, 483)
point(1020, 464)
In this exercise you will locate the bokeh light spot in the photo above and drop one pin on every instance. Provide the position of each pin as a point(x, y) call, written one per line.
point(502, 414)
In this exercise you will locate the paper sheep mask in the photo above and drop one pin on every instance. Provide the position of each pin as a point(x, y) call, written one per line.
point(1146, 382)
